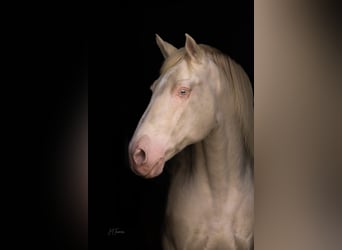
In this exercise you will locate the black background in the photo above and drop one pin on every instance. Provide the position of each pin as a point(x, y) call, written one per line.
point(44, 96)
point(125, 61)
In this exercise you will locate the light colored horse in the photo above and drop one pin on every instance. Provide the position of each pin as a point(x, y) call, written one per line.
point(201, 116)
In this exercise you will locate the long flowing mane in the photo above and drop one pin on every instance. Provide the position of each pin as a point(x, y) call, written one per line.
point(240, 85)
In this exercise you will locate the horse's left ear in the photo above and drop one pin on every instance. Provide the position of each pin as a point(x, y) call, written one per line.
point(192, 48)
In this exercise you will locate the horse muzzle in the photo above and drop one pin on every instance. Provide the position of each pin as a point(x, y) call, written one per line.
point(146, 158)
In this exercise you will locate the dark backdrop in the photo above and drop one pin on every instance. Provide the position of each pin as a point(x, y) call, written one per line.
point(126, 211)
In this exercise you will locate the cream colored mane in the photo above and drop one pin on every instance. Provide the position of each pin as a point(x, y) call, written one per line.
point(239, 82)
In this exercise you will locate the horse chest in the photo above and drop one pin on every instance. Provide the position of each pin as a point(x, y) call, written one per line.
point(195, 220)
point(193, 223)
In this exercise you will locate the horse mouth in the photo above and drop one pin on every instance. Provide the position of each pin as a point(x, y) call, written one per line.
point(148, 172)
point(156, 169)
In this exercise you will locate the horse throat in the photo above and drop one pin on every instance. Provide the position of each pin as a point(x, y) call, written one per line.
point(221, 161)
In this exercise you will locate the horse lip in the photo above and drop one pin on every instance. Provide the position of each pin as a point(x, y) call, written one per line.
point(148, 175)
point(160, 163)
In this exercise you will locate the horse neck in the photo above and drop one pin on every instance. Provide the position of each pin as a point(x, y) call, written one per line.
point(221, 158)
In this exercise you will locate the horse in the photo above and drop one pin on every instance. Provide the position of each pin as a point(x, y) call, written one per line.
point(200, 122)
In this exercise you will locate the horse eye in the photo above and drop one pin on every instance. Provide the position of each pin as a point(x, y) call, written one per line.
point(182, 91)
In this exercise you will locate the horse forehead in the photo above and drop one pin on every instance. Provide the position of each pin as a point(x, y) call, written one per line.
point(185, 70)
point(179, 71)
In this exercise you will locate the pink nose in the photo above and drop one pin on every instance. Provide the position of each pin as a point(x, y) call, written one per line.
point(147, 158)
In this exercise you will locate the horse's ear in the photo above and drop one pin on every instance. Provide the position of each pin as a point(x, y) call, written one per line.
point(192, 48)
point(165, 48)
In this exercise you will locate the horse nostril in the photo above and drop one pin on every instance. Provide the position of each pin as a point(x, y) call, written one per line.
point(139, 157)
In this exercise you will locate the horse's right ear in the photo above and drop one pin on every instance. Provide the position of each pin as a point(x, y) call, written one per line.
point(165, 48)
